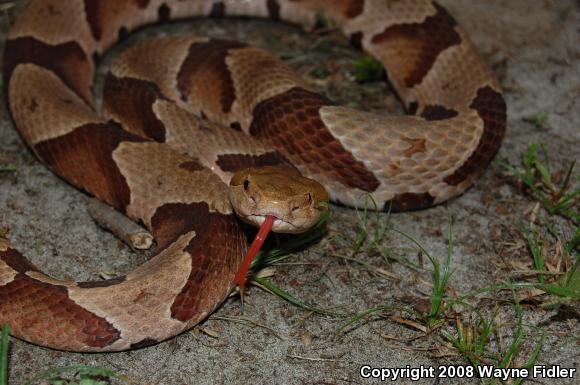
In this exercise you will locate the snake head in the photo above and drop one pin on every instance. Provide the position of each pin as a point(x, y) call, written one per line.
point(297, 202)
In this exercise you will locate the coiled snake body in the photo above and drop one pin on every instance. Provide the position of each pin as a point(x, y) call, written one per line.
point(132, 157)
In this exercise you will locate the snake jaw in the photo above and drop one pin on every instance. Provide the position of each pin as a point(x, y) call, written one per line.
point(279, 225)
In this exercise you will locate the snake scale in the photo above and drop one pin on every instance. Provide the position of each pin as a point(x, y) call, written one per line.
point(150, 156)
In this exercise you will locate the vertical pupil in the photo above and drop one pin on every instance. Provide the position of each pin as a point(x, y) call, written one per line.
point(246, 184)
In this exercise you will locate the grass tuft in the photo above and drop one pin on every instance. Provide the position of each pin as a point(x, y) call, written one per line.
point(518, 340)
point(537, 253)
point(561, 198)
point(370, 239)
point(479, 341)
point(471, 338)
point(568, 284)
point(440, 279)
point(441, 274)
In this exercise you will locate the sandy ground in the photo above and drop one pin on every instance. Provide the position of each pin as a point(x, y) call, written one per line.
point(532, 46)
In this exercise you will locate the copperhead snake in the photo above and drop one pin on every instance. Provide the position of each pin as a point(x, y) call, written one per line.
point(133, 156)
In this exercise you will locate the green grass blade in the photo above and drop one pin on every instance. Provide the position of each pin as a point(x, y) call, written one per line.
point(573, 243)
point(537, 253)
point(364, 314)
point(492, 288)
point(529, 161)
point(567, 201)
point(566, 182)
point(537, 177)
point(560, 291)
point(269, 286)
point(534, 357)
point(440, 280)
point(572, 279)
point(544, 168)
point(545, 174)
point(363, 234)
point(536, 352)
point(415, 242)
point(516, 343)
point(4, 354)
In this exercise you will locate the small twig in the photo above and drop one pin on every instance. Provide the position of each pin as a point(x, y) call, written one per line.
point(249, 322)
point(207, 331)
point(408, 348)
point(409, 323)
point(378, 270)
point(312, 358)
point(122, 227)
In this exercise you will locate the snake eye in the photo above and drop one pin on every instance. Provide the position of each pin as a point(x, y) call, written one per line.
point(308, 199)
point(246, 184)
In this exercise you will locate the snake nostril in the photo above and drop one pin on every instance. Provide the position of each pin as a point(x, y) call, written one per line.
point(308, 199)
point(295, 208)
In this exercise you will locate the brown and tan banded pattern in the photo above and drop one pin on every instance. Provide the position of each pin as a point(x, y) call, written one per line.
point(153, 156)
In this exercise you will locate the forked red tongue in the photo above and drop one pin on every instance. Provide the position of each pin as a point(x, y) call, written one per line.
point(240, 279)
